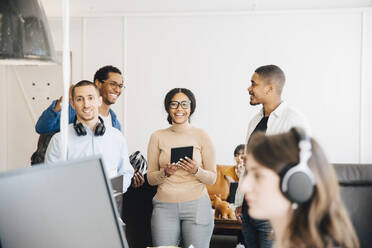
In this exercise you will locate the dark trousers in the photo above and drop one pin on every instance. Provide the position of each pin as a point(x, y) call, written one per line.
point(136, 214)
point(256, 232)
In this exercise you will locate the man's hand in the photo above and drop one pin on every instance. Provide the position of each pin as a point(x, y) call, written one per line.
point(238, 213)
point(58, 106)
point(138, 180)
point(188, 165)
point(241, 165)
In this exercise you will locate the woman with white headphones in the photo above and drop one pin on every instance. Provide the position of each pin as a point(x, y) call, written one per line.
point(290, 182)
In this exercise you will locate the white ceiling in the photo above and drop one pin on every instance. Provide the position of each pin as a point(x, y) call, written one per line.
point(113, 7)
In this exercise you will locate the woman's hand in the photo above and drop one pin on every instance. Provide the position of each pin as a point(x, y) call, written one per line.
point(170, 169)
point(188, 165)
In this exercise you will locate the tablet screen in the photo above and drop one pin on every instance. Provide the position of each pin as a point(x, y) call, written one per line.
point(181, 152)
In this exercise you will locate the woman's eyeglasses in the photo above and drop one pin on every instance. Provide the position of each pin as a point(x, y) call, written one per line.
point(175, 104)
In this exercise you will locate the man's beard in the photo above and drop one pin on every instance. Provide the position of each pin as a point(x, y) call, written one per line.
point(86, 119)
point(106, 101)
point(251, 102)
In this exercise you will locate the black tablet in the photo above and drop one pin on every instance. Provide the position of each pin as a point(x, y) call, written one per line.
point(181, 152)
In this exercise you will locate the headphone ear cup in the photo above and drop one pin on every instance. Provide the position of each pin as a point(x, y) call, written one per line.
point(99, 130)
point(297, 185)
point(80, 129)
point(297, 180)
point(300, 187)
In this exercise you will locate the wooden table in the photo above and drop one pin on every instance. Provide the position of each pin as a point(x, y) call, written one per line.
point(227, 227)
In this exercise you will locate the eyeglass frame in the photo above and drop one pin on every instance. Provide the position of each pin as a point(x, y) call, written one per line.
point(115, 85)
point(180, 103)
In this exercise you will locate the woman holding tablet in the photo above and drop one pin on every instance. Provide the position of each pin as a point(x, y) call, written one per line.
point(182, 208)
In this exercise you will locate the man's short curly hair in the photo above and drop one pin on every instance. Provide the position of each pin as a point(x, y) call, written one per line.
point(102, 73)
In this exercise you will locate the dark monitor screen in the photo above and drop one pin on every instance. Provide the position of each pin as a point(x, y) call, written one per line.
point(62, 205)
point(233, 188)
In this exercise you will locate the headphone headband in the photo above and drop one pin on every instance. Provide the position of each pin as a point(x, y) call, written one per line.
point(297, 180)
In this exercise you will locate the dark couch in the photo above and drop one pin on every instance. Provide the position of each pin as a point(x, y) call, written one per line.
point(356, 192)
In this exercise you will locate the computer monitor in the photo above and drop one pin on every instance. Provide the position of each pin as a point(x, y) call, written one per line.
point(68, 204)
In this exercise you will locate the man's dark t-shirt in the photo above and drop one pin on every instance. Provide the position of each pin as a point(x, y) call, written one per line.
point(261, 126)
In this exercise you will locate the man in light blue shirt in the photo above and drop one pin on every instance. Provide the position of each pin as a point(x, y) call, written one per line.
point(88, 135)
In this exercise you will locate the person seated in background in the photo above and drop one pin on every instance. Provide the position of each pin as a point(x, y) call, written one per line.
point(88, 135)
point(290, 182)
point(233, 173)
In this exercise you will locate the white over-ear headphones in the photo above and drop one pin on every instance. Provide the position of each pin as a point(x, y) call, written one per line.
point(297, 180)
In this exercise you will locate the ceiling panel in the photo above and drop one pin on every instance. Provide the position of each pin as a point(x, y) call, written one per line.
point(313, 4)
point(112, 7)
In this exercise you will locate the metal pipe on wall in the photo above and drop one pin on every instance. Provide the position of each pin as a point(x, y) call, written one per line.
point(66, 76)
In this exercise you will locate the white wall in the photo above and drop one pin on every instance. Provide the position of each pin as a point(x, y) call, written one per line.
point(3, 118)
point(325, 54)
point(366, 101)
point(25, 92)
point(216, 55)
